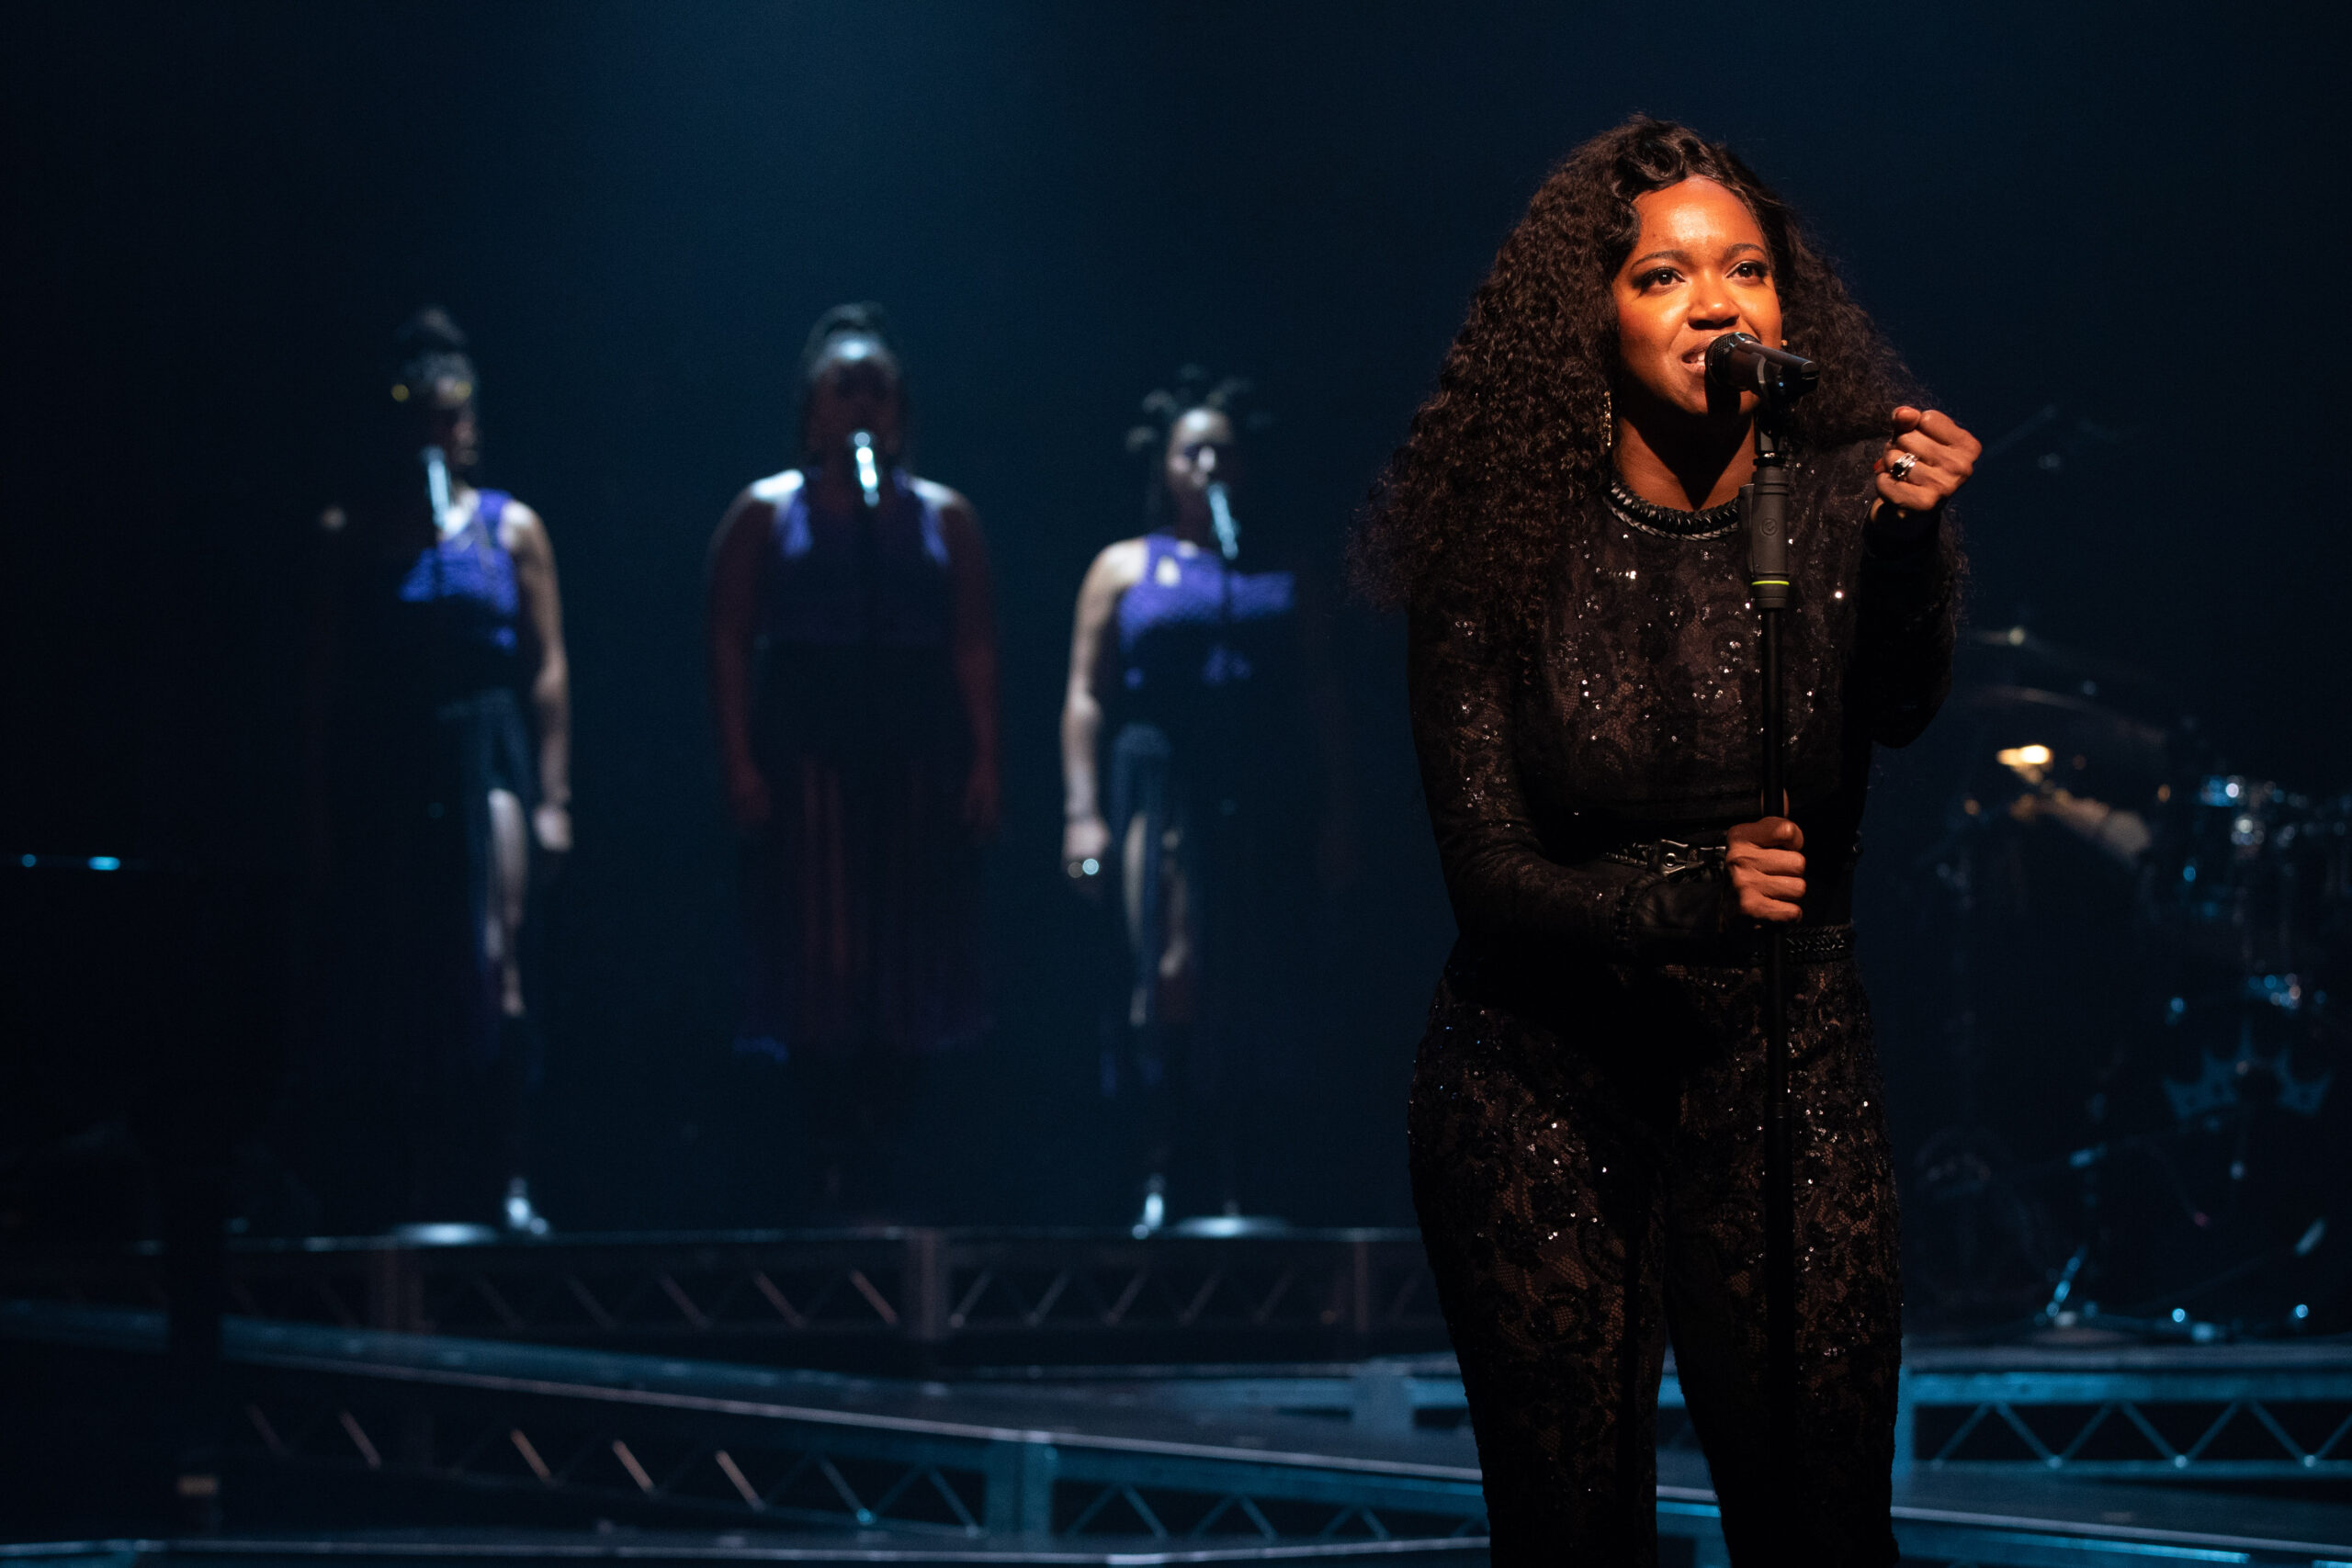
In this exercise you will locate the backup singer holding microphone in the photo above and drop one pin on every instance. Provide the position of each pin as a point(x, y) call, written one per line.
point(1563, 527)
point(438, 752)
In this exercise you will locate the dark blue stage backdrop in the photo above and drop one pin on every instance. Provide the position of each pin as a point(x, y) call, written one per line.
point(215, 214)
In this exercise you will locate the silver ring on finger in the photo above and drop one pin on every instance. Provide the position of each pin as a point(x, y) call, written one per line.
point(1899, 466)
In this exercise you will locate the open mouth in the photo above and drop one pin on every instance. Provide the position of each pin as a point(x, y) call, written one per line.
point(1695, 360)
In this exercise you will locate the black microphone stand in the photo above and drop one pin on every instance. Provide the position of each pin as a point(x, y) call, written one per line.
point(1765, 502)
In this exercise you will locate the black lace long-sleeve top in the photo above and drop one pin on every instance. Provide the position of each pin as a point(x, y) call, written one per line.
point(1634, 716)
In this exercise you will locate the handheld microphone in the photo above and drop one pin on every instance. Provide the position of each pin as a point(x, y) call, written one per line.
point(869, 473)
point(1228, 532)
point(1738, 363)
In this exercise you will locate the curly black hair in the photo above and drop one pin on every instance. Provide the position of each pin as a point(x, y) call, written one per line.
point(427, 349)
point(1475, 505)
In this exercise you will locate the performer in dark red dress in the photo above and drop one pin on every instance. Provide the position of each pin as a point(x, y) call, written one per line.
point(1586, 1113)
point(852, 659)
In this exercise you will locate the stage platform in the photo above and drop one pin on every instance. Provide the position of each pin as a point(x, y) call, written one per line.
point(1158, 1465)
point(653, 1548)
point(1277, 1312)
point(658, 1549)
point(898, 1299)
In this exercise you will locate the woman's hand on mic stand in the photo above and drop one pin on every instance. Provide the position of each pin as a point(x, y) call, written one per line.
point(1767, 866)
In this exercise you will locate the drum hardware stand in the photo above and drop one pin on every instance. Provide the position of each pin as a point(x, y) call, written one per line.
point(2056, 1307)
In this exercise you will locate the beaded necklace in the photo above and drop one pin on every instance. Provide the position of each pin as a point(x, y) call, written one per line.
point(1666, 522)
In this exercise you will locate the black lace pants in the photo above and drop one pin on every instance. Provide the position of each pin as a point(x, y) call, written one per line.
point(1590, 1184)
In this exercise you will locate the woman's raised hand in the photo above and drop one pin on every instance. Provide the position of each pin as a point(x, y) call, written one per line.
point(1928, 458)
point(1767, 866)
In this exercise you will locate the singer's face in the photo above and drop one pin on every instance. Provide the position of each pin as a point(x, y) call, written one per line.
point(1200, 448)
point(445, 418)
point(854, 387)
point(1699, 270)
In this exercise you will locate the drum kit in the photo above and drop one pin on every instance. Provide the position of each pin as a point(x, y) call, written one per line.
point(2134, 949)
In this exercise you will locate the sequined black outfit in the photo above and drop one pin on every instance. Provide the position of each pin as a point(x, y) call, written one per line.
point(1586, 1110)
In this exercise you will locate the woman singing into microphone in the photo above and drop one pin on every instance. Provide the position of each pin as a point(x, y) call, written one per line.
point(440, 756)
point(1197, 720)
point(1585, 1123)
point(852, 659)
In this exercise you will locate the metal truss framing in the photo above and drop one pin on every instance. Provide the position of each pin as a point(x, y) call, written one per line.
point(918, 1299)
point(766, 1467)
point(2266, 1413)
point(2281, 1412)
point(657, 1441)
point(923, 1292)
point(660, 1442)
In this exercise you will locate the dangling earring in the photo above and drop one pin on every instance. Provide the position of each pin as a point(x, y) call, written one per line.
point(1608, 422)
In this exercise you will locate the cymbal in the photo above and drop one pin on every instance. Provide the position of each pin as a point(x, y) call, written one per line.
point(2073, 665)
point(2069, 725)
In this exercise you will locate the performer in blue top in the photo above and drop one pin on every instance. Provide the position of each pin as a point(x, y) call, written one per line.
point(441, 751)
point(1191, 653)
point(852, 657)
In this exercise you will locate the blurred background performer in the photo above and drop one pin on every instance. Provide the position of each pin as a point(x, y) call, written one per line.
point(1194, 657)
point(1563, 524)
point(852, 659)
point(441, 744)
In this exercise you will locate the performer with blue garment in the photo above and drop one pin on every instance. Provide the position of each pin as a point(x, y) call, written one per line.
point(1200, 668)
point(441, 752)
point(852, 657)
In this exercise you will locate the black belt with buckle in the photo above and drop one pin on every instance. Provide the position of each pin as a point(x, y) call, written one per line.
point(1669, 857)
